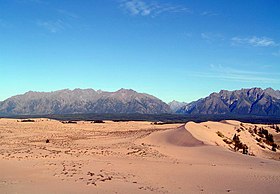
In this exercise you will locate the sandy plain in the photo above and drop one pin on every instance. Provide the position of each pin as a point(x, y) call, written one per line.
point(132, 157)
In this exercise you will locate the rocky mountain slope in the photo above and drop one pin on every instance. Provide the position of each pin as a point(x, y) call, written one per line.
point(175, 105)
point(83, 101)
point(254, 101)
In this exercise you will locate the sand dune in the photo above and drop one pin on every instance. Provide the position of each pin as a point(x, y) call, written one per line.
point(127, 157)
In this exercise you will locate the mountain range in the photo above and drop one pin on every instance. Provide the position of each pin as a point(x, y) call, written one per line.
point(83, 101)
point(253, 101)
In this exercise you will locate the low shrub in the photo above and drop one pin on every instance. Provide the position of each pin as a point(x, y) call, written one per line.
point(245, 149)
point(261, 145)
point(98, 121)
point(69, 122)
point(27, 120)
point(227, 141)
point(274, 147)
point(220, 134)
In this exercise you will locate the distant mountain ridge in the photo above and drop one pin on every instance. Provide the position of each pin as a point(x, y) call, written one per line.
point(254, 101)
point(83, 101)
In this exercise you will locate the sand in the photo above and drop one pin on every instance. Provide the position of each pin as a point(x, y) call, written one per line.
point(129, 157)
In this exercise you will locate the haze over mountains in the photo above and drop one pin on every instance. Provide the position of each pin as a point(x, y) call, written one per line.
point(254, 101)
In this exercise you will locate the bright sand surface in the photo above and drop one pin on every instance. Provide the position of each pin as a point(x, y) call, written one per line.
point(131, 157)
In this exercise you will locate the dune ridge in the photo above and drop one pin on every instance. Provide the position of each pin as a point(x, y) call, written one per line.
point(181, 137)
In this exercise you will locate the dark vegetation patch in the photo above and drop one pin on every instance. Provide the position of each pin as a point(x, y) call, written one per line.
point(227, 141)
point(162, 123)
point(69, 122)
point(120, 121)
point(98, 121)
point(220, 134)
point(27, 121)
point(264, 137)
point(276, 127)
point(239, 145)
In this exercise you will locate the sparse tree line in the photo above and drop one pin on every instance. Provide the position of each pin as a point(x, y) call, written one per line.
point(75, 122)
point(235, 141)
point(262, 137)
point(26, 121)
point(239, 145)
point(266, 137)
point(276, 127)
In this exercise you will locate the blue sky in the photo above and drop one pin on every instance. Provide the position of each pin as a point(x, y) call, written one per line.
point(179, 49)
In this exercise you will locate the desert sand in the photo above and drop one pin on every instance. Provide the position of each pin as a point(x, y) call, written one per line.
point(132, 157)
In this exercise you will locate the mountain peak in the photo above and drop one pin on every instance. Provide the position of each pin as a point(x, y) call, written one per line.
point(123, 90)
point(176, 105)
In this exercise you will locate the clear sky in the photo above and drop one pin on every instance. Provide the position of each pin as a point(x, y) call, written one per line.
point(179, 49)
